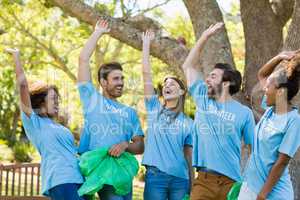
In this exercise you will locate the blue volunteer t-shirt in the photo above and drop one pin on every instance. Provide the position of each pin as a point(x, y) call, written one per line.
point(55, 144)
point(106, 122)
point(274, 134)
point(166, 138)
point(218, 131)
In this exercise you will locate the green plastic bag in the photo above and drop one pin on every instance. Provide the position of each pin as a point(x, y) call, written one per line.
point(186, 197)
point(234, 191)
point(99, 168)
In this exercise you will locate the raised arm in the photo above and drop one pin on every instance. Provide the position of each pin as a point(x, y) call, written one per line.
point(22, 84)
point(190, 63)
point(84, 73)
point(147, 76)
point(266, 70)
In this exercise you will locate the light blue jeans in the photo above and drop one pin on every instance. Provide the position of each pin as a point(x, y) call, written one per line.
point(161, 186)
point(107, 193)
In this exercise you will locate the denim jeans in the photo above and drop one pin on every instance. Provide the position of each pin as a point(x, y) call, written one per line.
point(107, 193)
point(66, 191)
point(161, 186)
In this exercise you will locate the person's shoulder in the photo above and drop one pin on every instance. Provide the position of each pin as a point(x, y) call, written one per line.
point(126, 108)
point(242, 108)
point(295, 116)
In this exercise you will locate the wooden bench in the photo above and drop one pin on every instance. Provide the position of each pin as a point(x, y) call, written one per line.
point(20, 182)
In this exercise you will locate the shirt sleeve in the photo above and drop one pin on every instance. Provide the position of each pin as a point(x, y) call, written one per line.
point(189, 136)
point(88, 95)
point(291, 139)
point(198, 91)
point(84, 141)
point(31, 125)
point(152, 103)
point(248, 132)
point(137, 128)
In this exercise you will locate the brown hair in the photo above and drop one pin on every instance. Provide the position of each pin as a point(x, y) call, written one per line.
point(38, 92)
point(106, 68)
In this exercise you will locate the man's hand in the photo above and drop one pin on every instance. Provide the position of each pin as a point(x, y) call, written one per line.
point(102, 26)
point(213, 29)
point(117, 149)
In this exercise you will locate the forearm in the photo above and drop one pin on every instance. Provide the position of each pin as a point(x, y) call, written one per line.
point(22, 85)
point(269, 67)
point(194, 54)
point(89, 46)
point(274, 176)
point(84, 73)
point(147, 76)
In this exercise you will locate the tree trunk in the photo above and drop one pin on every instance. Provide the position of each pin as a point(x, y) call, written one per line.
point(263, 37)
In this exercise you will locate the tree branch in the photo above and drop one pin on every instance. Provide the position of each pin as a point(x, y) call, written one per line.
point(283, 9)
point(164, 48)
point(60, 62)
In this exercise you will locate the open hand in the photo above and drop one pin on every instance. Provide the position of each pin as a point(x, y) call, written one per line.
point(117, 149)
point(213, 29)
point(148, 36)
point(102, 26)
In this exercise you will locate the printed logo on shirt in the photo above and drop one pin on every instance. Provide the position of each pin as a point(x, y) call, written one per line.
point(115, 110)
point(269, 130)
point(224, 115)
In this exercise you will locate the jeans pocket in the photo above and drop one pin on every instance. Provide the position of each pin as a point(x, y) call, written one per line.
point(152, 171)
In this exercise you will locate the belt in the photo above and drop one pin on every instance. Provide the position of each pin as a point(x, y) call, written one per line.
point(210, 171)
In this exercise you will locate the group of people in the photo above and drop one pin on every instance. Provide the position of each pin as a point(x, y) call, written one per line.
point(175, 144)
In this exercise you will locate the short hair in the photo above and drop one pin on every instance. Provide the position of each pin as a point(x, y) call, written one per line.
point(106, 68)
point(231, 75)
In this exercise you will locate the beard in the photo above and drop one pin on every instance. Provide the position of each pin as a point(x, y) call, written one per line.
point(213, 92)
point(114, 91)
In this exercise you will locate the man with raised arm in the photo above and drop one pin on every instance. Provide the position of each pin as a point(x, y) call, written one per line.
point(108, 123)
point(221, 123)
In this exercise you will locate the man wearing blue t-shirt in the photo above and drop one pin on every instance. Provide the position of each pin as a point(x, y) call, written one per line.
point(221, 123)
point(108, 123)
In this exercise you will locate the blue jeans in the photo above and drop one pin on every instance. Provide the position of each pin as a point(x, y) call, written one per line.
point(161, 186)
point(66, 191)
point(107, 193)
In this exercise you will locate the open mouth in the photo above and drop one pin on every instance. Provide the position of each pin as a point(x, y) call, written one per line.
point(119, 87)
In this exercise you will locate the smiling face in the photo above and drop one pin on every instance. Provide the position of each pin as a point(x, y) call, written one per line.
point(114, 84)
point(171, 90)
point(214, 83)
point(270, 91)
point(51, 105)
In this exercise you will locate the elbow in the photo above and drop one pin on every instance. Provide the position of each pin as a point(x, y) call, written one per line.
point(23, 84)
point(141, 148)
point(83, 59)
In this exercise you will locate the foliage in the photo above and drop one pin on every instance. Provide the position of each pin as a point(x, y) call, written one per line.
point(22, 152)
point(50, 43)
